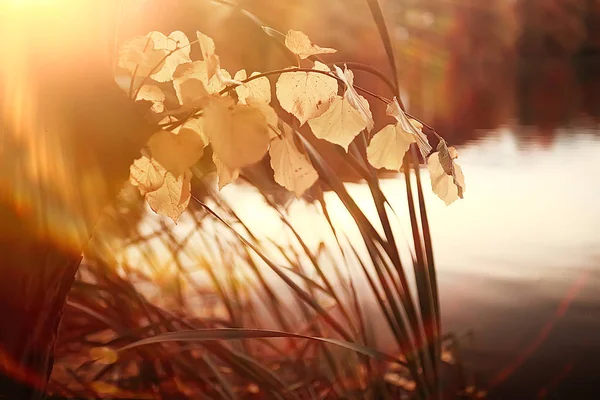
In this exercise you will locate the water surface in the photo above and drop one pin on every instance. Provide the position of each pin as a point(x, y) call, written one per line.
point(518, 259)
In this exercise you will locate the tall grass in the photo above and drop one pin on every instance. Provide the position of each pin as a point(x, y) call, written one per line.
point(218, 275)
point(213, 309)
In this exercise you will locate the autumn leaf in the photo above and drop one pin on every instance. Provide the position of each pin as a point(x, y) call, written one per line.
point(306, 94)
point(207, 47)
point(146, 174)
point(138, 55)
point(339, 124)
point(173, 197)
point(388, 146)
point(269, 113)
point(225, 175)
point(176, 152)
point(411, 126)
point(447, 179)
point(155, 95)
point(177, 46)
point(298, 43)
point(293, 170)
point(213, 63)
point(356, 100)
point(224, 78)
point(259, 88)
point(191, 84)
point(238, 133)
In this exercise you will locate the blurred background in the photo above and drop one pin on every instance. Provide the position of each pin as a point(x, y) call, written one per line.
point(515, 86)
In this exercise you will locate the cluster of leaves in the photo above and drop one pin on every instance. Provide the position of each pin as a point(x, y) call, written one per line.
point(233, 117)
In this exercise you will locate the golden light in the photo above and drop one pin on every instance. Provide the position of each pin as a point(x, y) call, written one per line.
point(46, 42)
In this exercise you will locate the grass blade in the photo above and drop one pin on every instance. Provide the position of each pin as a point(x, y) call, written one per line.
point(385, 37)
point(239, 333)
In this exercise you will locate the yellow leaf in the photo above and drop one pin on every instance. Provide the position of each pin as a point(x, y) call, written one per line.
point(339, 124)
point(178, 151)
point(356, 100)
point(225, 175)
point(293, 170)
point(207, 46)
point(298, 43)
point(155, 95)
point(306, 94)
point(259, 88)
point(393, 109)
point(388, 146)
point(238, 133)
point(103, 355)
point(222, 79)
point(177, 46)
point(138, 54)
point(213, 64)
point(173, 197)
point(190, 83)
point(411, 126)
point(147, 174)
point(447, 179)
point(269, 113)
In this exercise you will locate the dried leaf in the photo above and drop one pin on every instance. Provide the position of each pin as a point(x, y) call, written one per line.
point(447, 179)
point(339, 124)
point(306, 94)
point(259, 88)
point(293, 169)
point(176, 152)
point(207, 46)
point(191, 84)
point(269, 113)
point(213, 63)
point(388, 146)
point(147, 174)
point(238, 133)
point(223, 77)
point(413, 127)
point(155, 95)
point(138, 54)
point(225, 175)
point(298, 43)
point(177, 46)
point(356, 100)
point(173, 197)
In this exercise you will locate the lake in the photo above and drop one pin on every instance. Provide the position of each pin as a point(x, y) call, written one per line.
point(519, 264)
point(518, 259)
